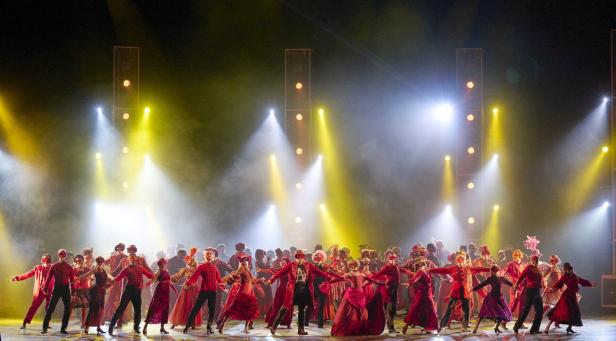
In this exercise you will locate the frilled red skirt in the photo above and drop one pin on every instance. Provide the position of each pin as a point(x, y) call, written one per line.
point(422, 312)
point(244, 307)
point(566, 311)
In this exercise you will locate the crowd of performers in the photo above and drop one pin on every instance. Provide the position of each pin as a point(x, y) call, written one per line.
point(359, 296)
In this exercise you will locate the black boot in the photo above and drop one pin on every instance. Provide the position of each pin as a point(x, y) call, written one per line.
point(112, 324)
point(300, 330)
point(308, 316)
point(281, 313)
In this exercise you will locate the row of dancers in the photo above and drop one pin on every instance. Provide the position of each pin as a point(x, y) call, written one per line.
point(361, 296)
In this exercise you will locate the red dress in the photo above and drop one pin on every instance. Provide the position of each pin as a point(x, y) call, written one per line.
point(158, 312)
point(278, 302)
point(113, 298)
point(352, 316)
point(567, 310)
point(422, 311)
point(242, 302)
point(186, 299)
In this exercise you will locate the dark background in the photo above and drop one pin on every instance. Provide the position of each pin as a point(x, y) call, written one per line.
point(211, 68)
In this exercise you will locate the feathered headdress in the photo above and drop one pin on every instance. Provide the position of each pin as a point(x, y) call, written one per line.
point(531, 243)
point(191, 255)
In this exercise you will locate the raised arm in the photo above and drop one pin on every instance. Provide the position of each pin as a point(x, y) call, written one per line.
point(482, 284)
point(24, 276)
point(87, 274)
point(585, 283)
point(478, 269)
point(319, 271)
point(285, 270)
point(152, 280)
point(146, 272)
point(193, 279)
point(442, 271)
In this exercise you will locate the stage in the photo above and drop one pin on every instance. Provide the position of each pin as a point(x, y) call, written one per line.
point(596, 329)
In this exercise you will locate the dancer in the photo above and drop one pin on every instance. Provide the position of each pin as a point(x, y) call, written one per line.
point(516, 295)
point(241, 303)
point(279, 298)
point(132, 292)
point(263, 272)
point(422, 311)
point(88, 258)
point(97, 295)
point(494, 306)
point(551, 295)
point(188, 294)
point(534, 283)
point(352, 316)
point(113, 298)
point(210, 280)
point(223, 269)
point(390, 271)
point(81, 298)
point(319, 257)
point(63, 277)
point(158, 312)
point(567, 310)
point(39, 272)
point(299, 290)
point(460, 288)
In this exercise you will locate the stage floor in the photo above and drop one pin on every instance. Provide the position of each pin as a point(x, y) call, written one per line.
point(595, 329)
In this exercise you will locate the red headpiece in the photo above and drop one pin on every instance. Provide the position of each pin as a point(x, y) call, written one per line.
point(554, 259)
point(62, 252)
point(300, 254)
point(392, 256)
point(161, 262)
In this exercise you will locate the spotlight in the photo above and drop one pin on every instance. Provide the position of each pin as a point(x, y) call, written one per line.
point(321, 112)
point(471, 150)
point(298, 220)
point(320, 157)
point(147, 158)
point(496, 207)
point(444, 112)
point(126, 116)
point(273, 157)
point(299, 186)
point(272, 207)
point(605, 149)
point(299, 117)
point(99, 110)
point(447, 207)
point(125, 150)
point(470, 84)
point(272, 111)
point(495, 111)
point(470, 185)
point(495, 156)
point(471, 220)
point(605, 99)
point(322, 206)
point(606, 204)
point(470, 117)
point(299, 151)
point(125, 184)
point(126, 83)
point(447, 158)
point(98, 206)
point(98, 156)
point(146, 110)
point(299, 85)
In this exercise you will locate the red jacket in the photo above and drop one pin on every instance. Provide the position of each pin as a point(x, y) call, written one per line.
point(461, 278)
point(39, 273)
point(291, 270)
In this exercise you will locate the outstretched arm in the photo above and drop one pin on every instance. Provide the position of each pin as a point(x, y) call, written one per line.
point(585, 282)
point(24, 276)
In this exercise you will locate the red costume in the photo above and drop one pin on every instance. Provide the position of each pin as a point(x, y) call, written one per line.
point(567, 310)
point(278, 302)
point(115, 292)
point(516, 297)
point(422, 311)
point(291, 270)
point(39, 273)
point(158, 312)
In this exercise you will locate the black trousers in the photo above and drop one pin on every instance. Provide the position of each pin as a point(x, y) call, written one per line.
point(130, 294)
point(59, 292)
point(390, 308)
point(532, 299)
point(210, 297)
point(451, 305)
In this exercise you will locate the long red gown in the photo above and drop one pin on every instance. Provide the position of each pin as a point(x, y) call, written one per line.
point(158, 312)
point(422, 311)
point(567, 309)
point(113, 298)
point(352, 316)
point(278, 302)
point(186, 300)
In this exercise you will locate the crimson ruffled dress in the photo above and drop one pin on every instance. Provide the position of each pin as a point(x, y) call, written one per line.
point(186, 300)
point(356, 315)
point(567, 310)
point(422, 311)
point(158, 312)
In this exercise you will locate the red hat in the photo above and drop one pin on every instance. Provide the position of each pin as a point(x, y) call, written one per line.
point(554, 259)
point(243, 257)
point(300, 254)
point(46, 258)
point(62, 252)
point(392, 256)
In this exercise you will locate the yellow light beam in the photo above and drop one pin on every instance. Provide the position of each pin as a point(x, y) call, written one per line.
point(157, 231)
point(101, 185)
point(19, 142)
point(448, 181)
point(582, 187)
point(491, 235)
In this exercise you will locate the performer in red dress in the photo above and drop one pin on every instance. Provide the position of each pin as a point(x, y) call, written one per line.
point(567, 310)
point(63, 277)
point(81, 298)
point(551, 295)
point(133, 273)
point(279, 298)
point(390, 271)
point(39, 272)
point(97, 295)
point(223, 269)
point(113, 298)
point(494, 306)
point(210, 281)
point(534, 283)
point(422, 311)
point(263, 267)
point(241, 303)
point(188, 294)
point(460, 288)
point(352, 315)
point(516, 295)
point(299, 289)
point(158, 312)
